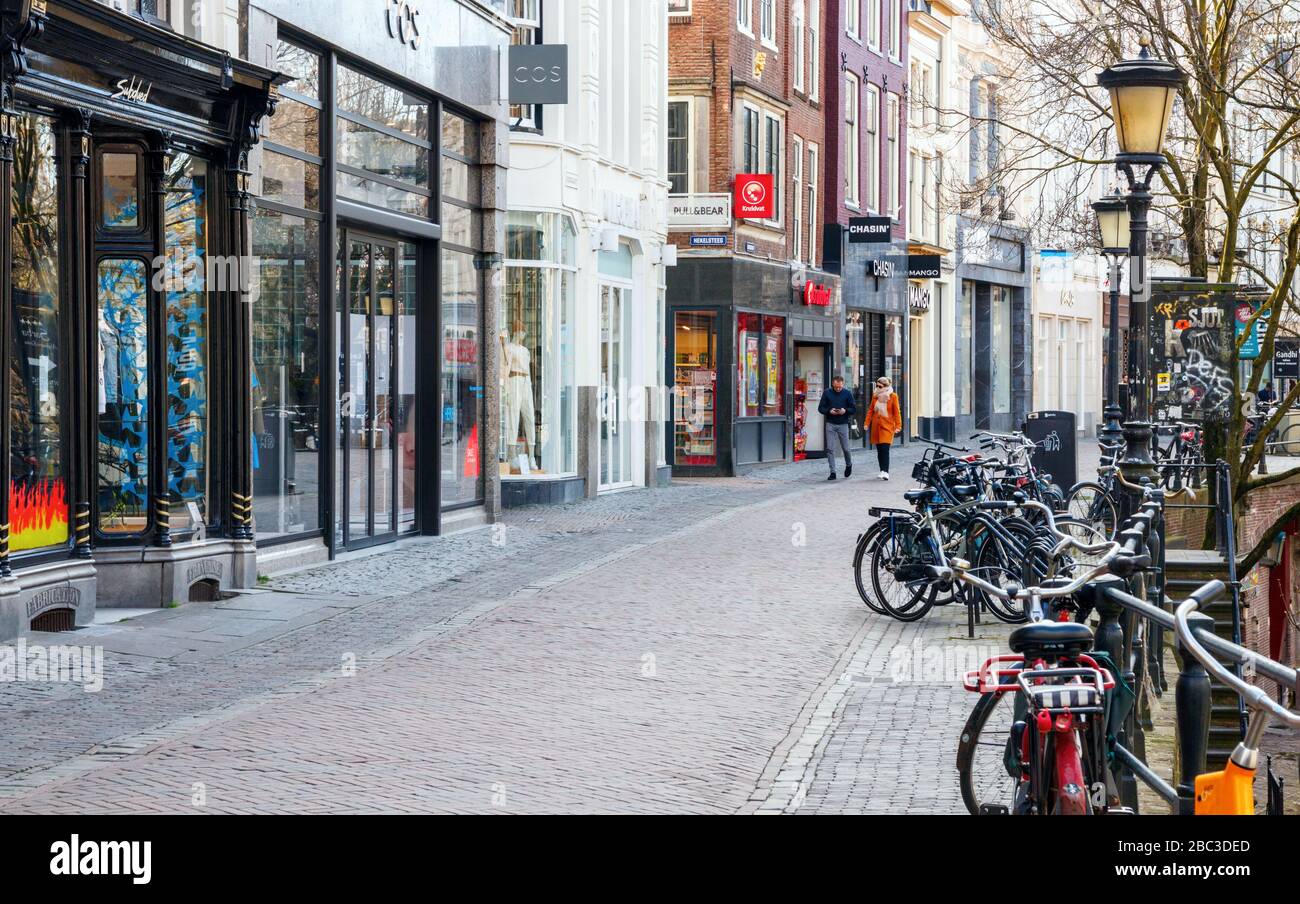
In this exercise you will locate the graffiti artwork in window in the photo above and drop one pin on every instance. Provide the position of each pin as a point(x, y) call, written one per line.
point(123, 446)
point(38, 508)
point(187, 340)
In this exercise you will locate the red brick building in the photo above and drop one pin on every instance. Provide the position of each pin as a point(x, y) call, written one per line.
point(752, 316)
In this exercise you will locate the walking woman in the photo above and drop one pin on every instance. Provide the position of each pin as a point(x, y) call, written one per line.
point(884, 420)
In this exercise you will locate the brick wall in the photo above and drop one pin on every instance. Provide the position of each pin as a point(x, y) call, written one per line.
point(1265, 506)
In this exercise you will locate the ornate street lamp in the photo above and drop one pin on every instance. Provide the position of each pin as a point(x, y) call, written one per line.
point(1142, 95)
point(1113, 225)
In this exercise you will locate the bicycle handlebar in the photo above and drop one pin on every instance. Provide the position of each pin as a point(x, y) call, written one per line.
point(1255, 698)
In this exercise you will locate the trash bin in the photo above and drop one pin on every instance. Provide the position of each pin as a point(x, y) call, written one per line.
point(1059, 454)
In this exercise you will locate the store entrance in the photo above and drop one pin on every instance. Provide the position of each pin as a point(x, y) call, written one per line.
point(811, 379)
point(374, 488)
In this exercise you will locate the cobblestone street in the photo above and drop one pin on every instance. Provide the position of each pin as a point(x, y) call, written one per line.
point(697, 648)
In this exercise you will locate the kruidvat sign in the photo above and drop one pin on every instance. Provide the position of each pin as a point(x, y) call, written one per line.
point(816, 294)
point(754, 197)
point(869, 230)
point(539, 73)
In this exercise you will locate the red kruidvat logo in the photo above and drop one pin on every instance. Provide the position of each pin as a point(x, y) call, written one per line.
point(754, 196)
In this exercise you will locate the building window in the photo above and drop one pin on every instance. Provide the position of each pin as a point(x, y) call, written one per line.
point(695, 382)
point(895, 29)
point(892, 155)
point(852, 176)
point(760, 357)
point(767, 21)
point(679, 147)
point(873, 24)
point(749, 140)
point(38, 490)
point(872, 116)
point(797, 40)
point(535, 333)
point(852, 18)
point(744, 18)
point(814, 213)
point(462, 315)
point(124, 402)
point(796, 193)
point(679, 7)
point(286, 308)
point(772, 164)
point(526, 16)
point(1000, 302)
point(966, 349)
point(383, 145)
point(814, 49)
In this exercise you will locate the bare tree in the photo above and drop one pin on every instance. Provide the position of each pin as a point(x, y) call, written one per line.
point(1229, 210)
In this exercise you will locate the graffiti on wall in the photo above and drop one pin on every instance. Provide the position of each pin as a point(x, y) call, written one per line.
point(1191, 356)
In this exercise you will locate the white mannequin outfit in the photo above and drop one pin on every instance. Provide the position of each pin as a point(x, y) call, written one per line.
point(519, 393)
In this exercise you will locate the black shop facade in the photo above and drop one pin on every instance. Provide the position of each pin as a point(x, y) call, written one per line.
point(127, 437)
point(751, 345)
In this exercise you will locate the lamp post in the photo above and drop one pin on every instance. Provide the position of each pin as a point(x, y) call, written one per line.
point(1142, 95)
point(1113, 222)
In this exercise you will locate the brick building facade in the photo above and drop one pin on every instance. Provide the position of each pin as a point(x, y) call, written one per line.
point(749, 346)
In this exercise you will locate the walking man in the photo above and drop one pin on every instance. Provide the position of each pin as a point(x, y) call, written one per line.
point(839, 408)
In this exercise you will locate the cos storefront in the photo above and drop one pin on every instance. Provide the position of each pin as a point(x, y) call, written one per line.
point(126, 437)
point(368, 344)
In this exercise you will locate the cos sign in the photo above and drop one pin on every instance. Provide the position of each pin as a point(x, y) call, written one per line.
point(539, 73)
point(404, 23)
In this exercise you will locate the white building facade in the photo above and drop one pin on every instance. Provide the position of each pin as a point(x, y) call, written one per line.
point(580, 326)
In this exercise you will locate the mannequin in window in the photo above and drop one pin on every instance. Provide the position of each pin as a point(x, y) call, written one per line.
point(516, 363)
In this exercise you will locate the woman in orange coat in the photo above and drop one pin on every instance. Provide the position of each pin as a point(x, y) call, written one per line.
point(883, 422)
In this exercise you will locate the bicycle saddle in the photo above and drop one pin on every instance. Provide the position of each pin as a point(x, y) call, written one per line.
point(927, 493)
point(1051, 637)
point(964, 490)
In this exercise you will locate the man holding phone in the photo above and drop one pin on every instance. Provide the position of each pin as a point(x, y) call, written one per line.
point(838, 406)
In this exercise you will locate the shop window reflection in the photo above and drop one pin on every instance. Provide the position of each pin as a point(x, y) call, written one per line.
point(695, 383)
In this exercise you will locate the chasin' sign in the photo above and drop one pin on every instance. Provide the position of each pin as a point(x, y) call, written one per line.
point(754, 197)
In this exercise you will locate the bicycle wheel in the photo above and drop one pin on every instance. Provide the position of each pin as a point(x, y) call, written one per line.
point(988, 763)
point(1000, 563)
point(906, 599)
point(1289, 443)
point(1090, 503)
point(866, 546)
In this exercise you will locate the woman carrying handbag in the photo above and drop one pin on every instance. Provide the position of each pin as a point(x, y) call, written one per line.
point(884, 420)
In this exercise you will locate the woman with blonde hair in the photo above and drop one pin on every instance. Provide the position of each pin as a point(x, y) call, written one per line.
point(884, 420)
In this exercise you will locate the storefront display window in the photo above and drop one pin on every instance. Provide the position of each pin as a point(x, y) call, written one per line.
point(773, 366)
point(408, 289)
point(749, 368)
point(123, 395)
point(462, 339)
point(186, 255)
point(286, 375)
point(38, 504)
point(695, 379)
point(535, 331)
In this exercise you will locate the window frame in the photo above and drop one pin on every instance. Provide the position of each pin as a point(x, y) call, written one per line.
point(853, 20)
point(853, 141)
point(689, 138)
point(810, 177)
point(773, 161)
point(748, 110)
point(873, 19)
point(798, 38)
point(871, 114)
point(895, 31)
point(814, 38)
point(893, 111)
point(745, 17)
point(767, 24)
point(796, 194)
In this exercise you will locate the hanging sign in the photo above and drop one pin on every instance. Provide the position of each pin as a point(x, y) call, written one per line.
point(754, 197)
point(869, 230)
point(539, 73)
point(1286, 359)
point(1249, 348)
point(923, 266)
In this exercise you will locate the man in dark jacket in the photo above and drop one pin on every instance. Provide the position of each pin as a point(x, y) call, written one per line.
point(838, 406)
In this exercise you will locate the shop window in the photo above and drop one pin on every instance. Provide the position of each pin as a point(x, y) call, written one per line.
point(383, 143)
point(185, 284)
point(123, 434)
point(749, 368)
point(966, 349)
point(695, 383)
point(120, 191)
point(535, 334)
point(407, 306)
point(773, 365)
point(462, 338)
point(286, 374)
point(38, 504)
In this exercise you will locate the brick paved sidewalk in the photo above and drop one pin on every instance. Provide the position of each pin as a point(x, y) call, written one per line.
point(648, 651)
